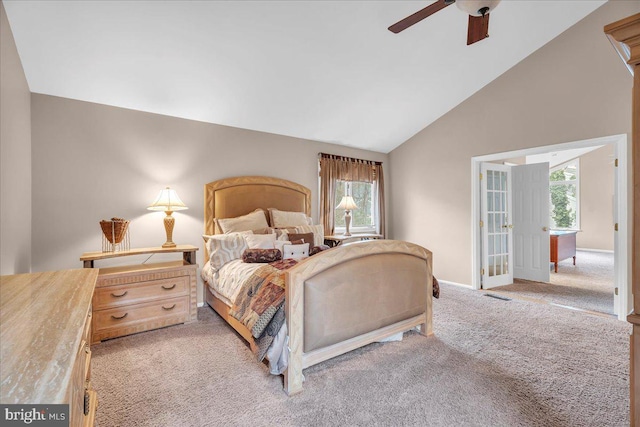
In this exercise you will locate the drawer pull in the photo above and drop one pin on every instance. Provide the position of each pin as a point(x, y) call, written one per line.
point(169, 288)
point(119, 317)
point(119, 296)
point(169, 308)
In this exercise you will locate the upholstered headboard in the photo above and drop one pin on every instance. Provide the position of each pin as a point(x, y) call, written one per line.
point(232, 197)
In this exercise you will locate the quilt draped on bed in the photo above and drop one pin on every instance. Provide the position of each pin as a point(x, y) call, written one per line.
point(260, 303)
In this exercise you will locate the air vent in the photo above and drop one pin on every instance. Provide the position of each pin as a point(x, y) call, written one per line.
point(497, 297)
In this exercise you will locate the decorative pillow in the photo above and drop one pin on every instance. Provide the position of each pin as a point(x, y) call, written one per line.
point(282, 233)
point(317, 249)
point(266, 230)
point(261, 255)
point(260, 241)
point(305, 237)
point(251, 221)
point(317, 230)
point(281, 219)
point(224, 248)
point(279, 244)
point(295, 251)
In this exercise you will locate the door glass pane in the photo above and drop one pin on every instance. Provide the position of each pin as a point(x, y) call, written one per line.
point(503, 178)
point(505, 264)
point(489, 204)
point(496, 203)
point(490, 222)
point(490, 250)
point(499, 265)
point(489, 180)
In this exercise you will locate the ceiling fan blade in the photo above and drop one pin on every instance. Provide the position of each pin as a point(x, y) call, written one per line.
point(478, 28)
point(418, 16)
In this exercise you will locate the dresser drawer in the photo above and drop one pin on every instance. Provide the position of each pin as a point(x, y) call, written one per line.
point(161, 312)
point(132, 293)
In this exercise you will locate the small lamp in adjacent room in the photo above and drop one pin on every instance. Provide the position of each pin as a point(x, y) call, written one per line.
point(168, 201)
point(347, 203)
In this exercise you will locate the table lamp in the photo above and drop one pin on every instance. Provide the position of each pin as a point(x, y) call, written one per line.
point(347, 203)
point(168, 201)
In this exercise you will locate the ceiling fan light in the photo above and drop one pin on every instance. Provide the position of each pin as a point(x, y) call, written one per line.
point(474, 7)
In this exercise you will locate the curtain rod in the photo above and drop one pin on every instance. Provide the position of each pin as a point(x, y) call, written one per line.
point(349, 159)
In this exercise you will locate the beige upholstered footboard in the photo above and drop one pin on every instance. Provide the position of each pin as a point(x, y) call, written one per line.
point(352, 295)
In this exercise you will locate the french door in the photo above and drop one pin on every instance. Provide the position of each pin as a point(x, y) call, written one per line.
point(497, 239)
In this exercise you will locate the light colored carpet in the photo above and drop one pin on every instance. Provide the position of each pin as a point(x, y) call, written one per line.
point(588, 285)
point(489, 363)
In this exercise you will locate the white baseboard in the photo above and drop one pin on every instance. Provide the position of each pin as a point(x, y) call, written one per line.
point(605, 251)
point(462, 285)
point(200, 304)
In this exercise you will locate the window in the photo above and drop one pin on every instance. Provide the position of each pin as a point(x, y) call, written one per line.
point(363, 180)
point(364, 218)
point(564, 191)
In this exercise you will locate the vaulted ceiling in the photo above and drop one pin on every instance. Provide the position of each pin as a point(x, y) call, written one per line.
point(321, 70)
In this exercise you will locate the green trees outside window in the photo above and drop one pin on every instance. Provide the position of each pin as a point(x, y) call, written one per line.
point(563, 191)
point(362, 193)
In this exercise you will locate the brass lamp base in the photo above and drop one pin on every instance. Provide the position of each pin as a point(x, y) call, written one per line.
point(169, 222)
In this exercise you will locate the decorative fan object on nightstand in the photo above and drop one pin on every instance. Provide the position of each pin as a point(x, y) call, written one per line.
point(115, 234)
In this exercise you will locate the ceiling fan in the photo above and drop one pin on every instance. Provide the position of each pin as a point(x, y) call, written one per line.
point(478, 11)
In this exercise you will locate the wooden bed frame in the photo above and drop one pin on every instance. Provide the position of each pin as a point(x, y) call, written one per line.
point(334, 284)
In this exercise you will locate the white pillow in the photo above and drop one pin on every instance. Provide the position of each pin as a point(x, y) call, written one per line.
point(279, 244)
point(282, 219)
point(224, 248)
point(295, 251)
point(251, 221)
point(260, 241)
point(317, 230)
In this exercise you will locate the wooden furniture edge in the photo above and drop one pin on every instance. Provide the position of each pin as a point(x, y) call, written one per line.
point(294, 302)
point(624, 35)
point(188, 254)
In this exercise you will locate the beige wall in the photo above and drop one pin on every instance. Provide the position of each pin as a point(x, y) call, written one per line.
point(15, 157)
point(572, 89)
point(596, 199)
point(93, 162)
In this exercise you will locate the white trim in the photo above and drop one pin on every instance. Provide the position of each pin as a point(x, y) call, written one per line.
point(461, 285)
point(621, 249)
point(200, 304)
point(604, 251)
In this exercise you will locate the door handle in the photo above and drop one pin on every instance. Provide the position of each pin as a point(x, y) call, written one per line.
point(544, 228)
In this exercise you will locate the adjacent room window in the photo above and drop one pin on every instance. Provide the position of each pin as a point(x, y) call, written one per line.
point(564, 192)
point(363, 219)
point(361, 179)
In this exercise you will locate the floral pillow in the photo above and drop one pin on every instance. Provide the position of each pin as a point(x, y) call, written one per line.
point(261, 255)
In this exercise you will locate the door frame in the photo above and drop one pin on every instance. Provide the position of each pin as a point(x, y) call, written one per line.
point(621, 244)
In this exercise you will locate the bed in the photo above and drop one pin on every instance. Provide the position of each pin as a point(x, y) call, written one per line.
point(337, 300)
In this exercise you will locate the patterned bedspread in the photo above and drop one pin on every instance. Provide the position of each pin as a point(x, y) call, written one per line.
point(260, 303)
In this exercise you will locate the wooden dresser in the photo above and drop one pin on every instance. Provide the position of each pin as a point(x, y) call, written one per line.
point(45, 329)
point(136, 298)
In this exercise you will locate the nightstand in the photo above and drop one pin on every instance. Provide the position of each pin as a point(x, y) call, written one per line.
point(136, 298)
point(333, 241)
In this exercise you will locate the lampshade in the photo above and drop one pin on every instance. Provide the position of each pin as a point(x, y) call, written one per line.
point(473, 7)
point(167, 200)
point(347, 203)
